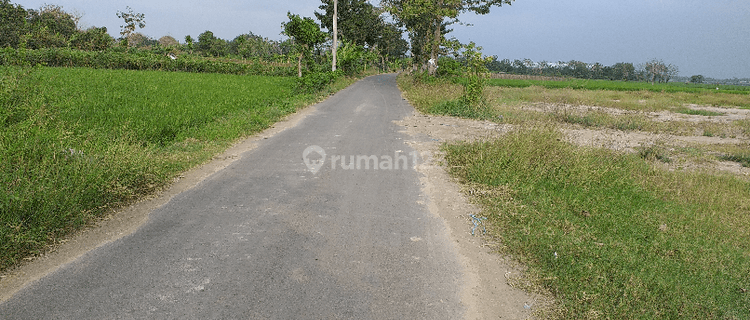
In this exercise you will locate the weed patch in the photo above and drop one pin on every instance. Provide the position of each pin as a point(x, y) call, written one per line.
point(610, 235)
point(698, 112)
point(740, 157)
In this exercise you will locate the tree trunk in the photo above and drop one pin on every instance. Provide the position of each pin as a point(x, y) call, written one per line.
point(299, 66)
point(335, 33)
point(437, 36)
point(432, 66)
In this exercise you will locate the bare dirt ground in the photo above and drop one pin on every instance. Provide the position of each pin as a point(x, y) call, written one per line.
point(447, 129)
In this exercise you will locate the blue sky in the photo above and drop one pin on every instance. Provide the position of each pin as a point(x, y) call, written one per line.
point(711, 38)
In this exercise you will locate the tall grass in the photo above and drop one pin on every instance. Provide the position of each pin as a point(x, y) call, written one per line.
point(608, 234)
point(76, 141)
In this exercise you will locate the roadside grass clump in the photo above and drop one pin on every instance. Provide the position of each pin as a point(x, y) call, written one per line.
point(76, 142)
point(426, 94)
point(654, 152)
point(740, 157)
point(610, 235)
point(698, 112)
point(462, 108)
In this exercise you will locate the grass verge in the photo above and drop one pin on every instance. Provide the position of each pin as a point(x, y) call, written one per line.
point(608, 234)
point(76, 141)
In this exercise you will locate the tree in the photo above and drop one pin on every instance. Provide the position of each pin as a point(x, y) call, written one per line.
point(54, 19)
point(358, 21)
point(12, 24)
point(167, 41)
point(132, 21)
point(697, 79)
point(254, 46)
point(209, 45)
point(305, 34)
point(657, 71)
point(623, 71)
point(426, 18)
point(335, 44)
point(92, 39)
point(189, 43)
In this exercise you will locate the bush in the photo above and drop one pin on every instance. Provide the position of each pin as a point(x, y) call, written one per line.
point(316, 81)
point(449, 67)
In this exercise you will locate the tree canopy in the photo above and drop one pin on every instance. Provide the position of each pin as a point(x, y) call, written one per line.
point(305, 34)
point(426, 20)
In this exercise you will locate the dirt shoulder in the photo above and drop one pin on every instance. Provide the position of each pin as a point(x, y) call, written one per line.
point(490, 280)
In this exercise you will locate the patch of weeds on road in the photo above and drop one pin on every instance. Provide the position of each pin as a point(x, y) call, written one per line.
point(609, 234)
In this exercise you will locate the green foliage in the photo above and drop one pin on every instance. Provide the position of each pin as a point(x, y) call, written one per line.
point(459, 108)
point(305, 32)
point(476, 71)
point(250, 46)
point(92, 39)
point(77, 141)
point(132, 21)
point(12, 24)
point(352, 58)
point(697, 79)
point(425, 20)
point(608, 234)
point(209, 45)
point(449, 67)
point(698, 112)
point(742, 158)
point(358, 21)
point(189, 43)
point(306, 35)
point(133, 59)
point(313, 82)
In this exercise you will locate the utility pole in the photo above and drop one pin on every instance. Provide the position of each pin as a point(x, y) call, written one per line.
point(335, 32)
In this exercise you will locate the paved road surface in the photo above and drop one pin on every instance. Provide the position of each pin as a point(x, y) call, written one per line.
point(265, 238)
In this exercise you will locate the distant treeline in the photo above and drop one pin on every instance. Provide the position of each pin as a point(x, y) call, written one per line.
point(651, 71)
point(52, 27)
point(134, 59)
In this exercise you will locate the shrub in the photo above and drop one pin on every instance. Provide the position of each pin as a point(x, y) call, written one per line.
point(316, 81)
point(449, 67)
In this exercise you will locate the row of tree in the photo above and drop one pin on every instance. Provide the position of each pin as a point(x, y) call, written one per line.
point(653, 71)
point(48, 27)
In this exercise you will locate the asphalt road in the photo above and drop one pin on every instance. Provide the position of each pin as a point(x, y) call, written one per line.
point(266, 238)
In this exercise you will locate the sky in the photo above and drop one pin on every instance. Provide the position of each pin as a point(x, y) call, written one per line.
point(710, 38)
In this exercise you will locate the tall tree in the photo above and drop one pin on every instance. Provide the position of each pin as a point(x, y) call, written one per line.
point(210, 45)
point(306, 35)
point(12, 24)
point(358, 21)
point(427, 18)
point(132, 21)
